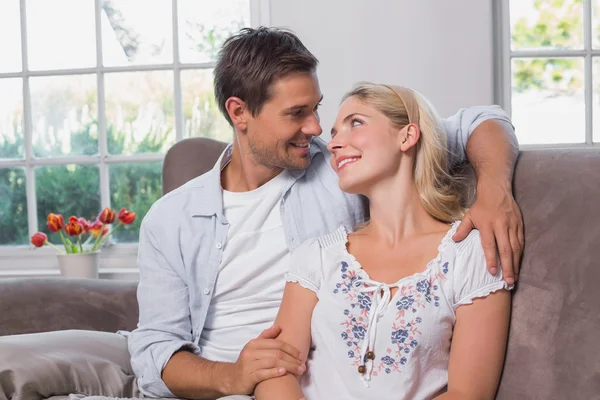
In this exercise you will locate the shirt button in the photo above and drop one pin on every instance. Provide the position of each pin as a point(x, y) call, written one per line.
point(206, 291)
point(219, 245)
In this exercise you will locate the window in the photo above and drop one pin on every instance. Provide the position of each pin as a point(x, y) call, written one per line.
point(92, 94)
point(550, 70)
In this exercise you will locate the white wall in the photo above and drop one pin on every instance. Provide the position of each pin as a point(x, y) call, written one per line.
point(442, 48)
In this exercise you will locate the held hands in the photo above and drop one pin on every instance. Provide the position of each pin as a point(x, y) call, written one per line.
point(264, 358)
point(498, 218)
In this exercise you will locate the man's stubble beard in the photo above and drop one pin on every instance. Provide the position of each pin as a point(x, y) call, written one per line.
point(271, 158)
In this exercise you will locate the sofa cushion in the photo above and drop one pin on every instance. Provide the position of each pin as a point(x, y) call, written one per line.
point(42, 365)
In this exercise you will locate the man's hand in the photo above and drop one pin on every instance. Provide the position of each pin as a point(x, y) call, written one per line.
point(263, 358)
point(498, 218)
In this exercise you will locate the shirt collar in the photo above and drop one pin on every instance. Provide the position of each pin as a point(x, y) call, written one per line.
point(211, 202)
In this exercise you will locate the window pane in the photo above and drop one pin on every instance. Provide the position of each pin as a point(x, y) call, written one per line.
point(135, 187)
point(13, 207)
point(596, 23)
point(201, 112)
point(548, 104)
point(67, 190)
point(64, 114)
point(539, 24)
point(204, 26)
point(139, 112)
point(11, 118)
point(10, 32)
point(596, 100)
point(137, 32)
point(61, 34)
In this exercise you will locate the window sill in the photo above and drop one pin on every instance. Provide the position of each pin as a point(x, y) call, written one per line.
point(116, 262)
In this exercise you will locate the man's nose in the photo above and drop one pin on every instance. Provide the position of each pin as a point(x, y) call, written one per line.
point(313, 126)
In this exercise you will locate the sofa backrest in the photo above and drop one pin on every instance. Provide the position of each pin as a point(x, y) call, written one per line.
point(554, 341)
point(189, 159)
point(31, 305)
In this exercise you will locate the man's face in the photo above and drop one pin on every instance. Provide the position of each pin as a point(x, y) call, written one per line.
point(279, 136)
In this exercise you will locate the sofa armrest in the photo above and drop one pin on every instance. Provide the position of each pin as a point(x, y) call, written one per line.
point(31, 305)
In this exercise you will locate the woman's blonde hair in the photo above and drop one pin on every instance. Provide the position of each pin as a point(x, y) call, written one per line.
point(440, 192)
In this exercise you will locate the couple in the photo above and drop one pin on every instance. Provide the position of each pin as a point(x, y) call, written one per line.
point(377, 289)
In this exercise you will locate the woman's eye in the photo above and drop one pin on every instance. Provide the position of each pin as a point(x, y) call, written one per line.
point(355, 122)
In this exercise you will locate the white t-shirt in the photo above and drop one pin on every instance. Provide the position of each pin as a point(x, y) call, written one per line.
point(408, 333)
point(250, 282)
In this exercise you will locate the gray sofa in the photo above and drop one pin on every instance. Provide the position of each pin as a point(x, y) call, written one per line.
point(554, 341)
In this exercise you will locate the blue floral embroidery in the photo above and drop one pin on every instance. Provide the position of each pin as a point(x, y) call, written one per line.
point(399, 336)
point(364, 301)
point(344, 266)
point(387, 360)
point(445, 268)
point(359, 331)
point(423, 286)
point(405, 302)
point(405, 333)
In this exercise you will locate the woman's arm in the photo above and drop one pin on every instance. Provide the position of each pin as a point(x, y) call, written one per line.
point(294, 318)
point(478, 347)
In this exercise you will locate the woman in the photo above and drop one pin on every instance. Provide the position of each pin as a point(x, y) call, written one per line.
point(380, 306)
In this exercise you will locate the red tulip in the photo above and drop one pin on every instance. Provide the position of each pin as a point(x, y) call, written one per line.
point(97, 230)
point(85, 224)
point(39, 239)
point(126, 217)
point(107, 216)
point(55, 222)
point(74, 228)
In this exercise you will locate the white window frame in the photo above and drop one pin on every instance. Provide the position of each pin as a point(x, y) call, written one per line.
point(116, 261)
point(502, 68)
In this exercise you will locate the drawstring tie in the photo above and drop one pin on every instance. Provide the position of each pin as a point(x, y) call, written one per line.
point(379, 304)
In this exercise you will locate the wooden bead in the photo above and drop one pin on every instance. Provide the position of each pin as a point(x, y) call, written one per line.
point(370, 355)
point(362, 369)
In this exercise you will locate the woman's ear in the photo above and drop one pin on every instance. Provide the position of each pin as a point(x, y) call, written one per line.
point(236, 109)
point(410, 135)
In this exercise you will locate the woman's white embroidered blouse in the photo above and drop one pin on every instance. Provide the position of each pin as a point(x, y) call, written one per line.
point(368, 344)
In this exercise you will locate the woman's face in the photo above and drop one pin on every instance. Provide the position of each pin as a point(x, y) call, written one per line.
point(365, 148)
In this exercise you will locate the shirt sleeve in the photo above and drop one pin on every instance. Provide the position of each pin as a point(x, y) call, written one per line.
point(164, 316)
point(307, 266)
point(461, 125)
point(472, 279)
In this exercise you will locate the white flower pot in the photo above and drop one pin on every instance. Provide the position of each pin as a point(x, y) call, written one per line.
point(84, 265)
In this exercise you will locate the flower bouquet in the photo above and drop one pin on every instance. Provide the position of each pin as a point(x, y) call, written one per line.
point(78, 257)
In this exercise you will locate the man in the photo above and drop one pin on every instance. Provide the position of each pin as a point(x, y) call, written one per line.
point(212, 253)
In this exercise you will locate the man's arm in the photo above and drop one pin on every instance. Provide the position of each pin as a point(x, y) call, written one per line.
point(164, 355)
point(164, 325)
point(193, 377)
point(486, 137)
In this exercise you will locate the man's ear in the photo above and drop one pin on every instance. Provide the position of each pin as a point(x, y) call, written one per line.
point(409, 135)
point(236, 109)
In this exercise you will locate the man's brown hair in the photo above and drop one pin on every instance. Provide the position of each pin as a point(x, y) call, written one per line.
point(252, 59)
